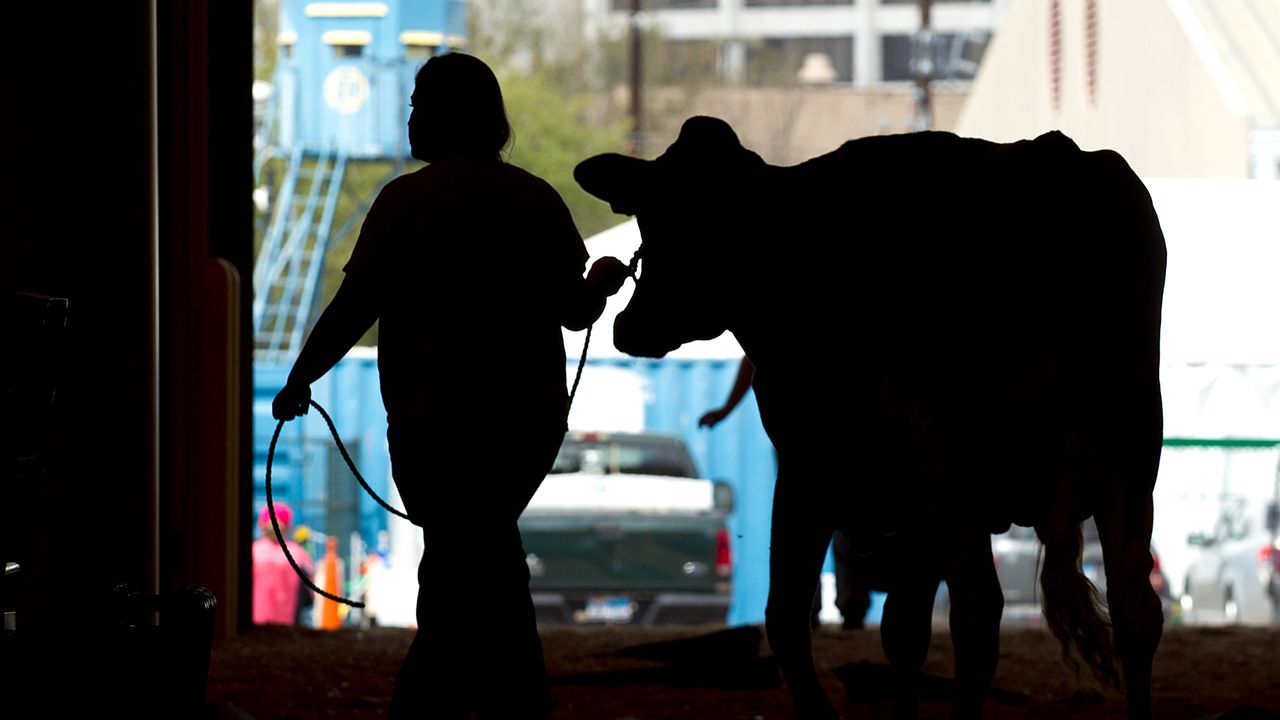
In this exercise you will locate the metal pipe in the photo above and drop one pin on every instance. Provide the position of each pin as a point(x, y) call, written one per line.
point(152, 579)
point(924, 68)
point(637, 81)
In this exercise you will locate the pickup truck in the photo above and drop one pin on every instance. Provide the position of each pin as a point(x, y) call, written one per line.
point(624, 530)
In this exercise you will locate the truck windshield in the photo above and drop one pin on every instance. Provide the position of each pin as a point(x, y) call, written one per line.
point(633, 455)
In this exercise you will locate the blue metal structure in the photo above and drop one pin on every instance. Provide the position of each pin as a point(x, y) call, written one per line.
point(308, 472)
point(343, 78)
point(345, 70)
point(289, 262)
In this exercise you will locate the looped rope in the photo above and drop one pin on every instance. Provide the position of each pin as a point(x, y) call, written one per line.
point(351, 464)
point(271, 506)
point(333, 430)
point(582, 361)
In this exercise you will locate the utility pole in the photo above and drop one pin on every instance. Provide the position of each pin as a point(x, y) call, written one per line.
point(635, 146)
point(922, 67)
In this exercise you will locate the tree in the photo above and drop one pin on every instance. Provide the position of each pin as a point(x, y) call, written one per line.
point(558, 108)
point(553, 133)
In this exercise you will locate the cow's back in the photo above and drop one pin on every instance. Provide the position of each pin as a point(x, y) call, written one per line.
point(1009, 291)
point(973, 253)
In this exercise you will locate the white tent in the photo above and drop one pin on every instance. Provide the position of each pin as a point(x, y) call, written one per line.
point(1222, 293)
point(1220, 345)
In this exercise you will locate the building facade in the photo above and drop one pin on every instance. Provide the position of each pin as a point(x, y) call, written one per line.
point(863, 43)
point(1181, 88)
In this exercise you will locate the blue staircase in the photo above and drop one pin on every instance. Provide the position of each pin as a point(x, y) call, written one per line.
point(292, 255)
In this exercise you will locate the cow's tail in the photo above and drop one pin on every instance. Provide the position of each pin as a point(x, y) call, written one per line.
point(1074, 610)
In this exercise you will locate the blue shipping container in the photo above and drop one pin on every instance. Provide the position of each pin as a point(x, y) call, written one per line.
point(310, 475)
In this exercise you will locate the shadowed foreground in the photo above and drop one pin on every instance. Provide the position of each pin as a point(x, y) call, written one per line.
point(628, 673)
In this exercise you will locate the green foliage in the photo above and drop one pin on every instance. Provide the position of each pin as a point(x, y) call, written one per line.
point(553, 133)
point(266, 27)
point(557, 104)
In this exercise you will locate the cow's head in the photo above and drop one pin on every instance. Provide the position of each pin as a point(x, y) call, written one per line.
point(690, 204)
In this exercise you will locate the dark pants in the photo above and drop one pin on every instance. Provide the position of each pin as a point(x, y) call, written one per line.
point(853, 586)
point(477, 646)
point(853, 582)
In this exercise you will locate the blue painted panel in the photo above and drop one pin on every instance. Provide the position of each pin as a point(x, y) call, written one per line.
point(357, 103)
point(301, 470)
point(678, 392)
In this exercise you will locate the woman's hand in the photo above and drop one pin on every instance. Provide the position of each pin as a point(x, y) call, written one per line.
point(712, 418)
point(292, 400)
point(607, 275)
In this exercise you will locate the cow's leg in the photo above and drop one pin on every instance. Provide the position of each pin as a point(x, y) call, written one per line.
point(976, 606)
point(955, 521)
point(1124, 528)
point(906, 626)
point(798, 546)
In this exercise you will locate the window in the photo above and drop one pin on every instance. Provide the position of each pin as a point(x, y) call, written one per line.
point(418, 52)
point(775, 61)
point(684, 61)
point(630, 455)
point(665, 4)
point(956, 56)
point(783, 3)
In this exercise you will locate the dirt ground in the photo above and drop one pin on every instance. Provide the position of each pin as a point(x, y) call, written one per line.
point(618, 673)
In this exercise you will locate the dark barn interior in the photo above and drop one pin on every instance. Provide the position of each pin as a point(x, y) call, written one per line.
point(132, 135)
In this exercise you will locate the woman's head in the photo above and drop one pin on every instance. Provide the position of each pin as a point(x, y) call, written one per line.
point(284, 516)
point(457, 109)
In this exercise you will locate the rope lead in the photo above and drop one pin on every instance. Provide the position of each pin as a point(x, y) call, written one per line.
point(271, 506)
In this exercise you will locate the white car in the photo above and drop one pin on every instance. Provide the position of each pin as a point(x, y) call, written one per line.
point(1234, 575)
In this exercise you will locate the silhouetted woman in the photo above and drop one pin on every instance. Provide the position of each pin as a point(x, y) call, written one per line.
point(471, 266)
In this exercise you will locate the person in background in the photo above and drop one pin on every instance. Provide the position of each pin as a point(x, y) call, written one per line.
point(741, 384)
point(306, 596)
point(277, 589)
point(853, 592)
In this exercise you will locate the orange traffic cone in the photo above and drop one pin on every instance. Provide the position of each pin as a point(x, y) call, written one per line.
point(328, 608)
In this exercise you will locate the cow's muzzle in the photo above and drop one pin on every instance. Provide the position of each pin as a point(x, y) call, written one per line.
point(636, 337)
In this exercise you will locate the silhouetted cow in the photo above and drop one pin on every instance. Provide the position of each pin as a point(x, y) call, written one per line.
point(950, 335)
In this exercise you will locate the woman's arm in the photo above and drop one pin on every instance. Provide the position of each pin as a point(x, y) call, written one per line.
point(603, 280)
point(347, 318)
point(580, 300)
point(746, 373)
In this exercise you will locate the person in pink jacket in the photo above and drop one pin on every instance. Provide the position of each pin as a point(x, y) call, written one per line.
point(276, 586)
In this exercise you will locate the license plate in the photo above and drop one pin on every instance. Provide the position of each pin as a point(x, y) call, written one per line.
point(609, 608)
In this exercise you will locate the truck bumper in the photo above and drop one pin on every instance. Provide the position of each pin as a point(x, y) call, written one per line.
point(674, 608)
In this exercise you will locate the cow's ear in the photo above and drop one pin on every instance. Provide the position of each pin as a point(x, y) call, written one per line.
point(617, 179)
